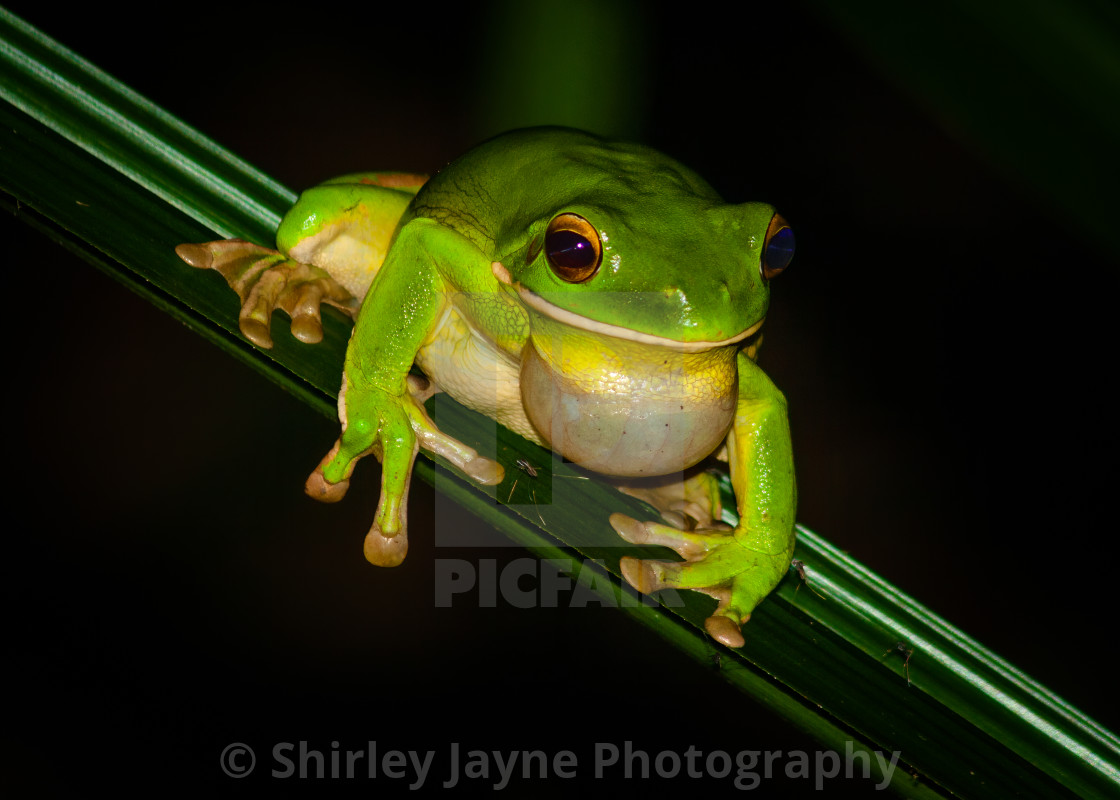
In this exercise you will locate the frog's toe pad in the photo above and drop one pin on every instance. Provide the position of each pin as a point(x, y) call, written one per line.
point(629, 529)
point(724, 630)
point(307, 324)
point(319, 488)
point(256, 332)
point(385, 551)
point(484, 470)
point(641, 574)
point(197, 255)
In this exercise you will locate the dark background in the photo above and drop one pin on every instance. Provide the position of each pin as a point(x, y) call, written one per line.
point(944, 338)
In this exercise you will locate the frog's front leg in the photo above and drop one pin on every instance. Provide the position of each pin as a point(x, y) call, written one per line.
point(740, 567)
point(379, 413)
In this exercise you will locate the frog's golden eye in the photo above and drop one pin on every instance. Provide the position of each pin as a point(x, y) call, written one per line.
point(573, 248)
point(778, 248)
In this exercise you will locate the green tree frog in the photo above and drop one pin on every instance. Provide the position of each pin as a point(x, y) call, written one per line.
point(595, 297)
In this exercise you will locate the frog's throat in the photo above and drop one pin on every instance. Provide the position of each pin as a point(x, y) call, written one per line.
point(626, 408)
point(539, 304)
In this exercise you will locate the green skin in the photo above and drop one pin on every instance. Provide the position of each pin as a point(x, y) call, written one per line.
point(680, 283)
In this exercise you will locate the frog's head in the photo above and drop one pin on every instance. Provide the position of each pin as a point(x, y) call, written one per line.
point(619, 238)
point(689, 276)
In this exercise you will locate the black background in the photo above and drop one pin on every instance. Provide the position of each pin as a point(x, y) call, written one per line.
point(944, 339)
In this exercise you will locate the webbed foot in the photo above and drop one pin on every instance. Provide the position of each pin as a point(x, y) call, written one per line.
point(716, 562)
point(265, 280)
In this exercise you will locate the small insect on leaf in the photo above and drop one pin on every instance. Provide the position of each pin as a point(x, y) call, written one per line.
point(906, 650)
point(526, 467)
point(798, 566)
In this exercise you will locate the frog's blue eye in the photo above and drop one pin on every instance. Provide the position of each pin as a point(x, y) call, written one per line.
point(572, 246)
point(777, 252)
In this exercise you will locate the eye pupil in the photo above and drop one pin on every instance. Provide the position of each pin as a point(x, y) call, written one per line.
point(569, 250)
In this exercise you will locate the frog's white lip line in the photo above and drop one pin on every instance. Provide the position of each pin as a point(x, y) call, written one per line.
point(566, 317)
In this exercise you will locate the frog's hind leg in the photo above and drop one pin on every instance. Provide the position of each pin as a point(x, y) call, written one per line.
point(265, 280)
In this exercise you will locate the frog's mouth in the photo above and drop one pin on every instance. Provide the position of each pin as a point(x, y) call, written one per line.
point(570, 318)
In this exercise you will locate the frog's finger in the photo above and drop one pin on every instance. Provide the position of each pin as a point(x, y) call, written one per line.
point(651, 576)
point(331, 479)
point(398, 454)
point(303, 307)
point(258, 300)
point(386, 551)
point(386, 543)
point(306, 288)
point(297, 289)
point(481, 469)
point(235, 259)
point(737, 601)
point(363, 432)
point(690, 545)
point(318, 487)
point(725, 622)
